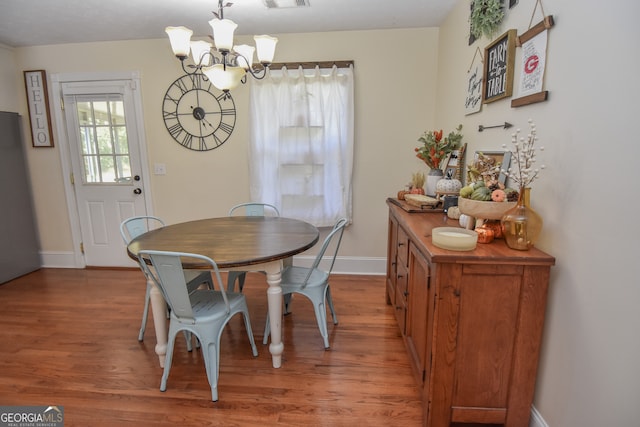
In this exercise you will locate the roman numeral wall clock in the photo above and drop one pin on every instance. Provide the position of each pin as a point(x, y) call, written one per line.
point(196, 114)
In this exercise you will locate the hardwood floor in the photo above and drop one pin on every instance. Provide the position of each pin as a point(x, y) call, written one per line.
point(69, 338)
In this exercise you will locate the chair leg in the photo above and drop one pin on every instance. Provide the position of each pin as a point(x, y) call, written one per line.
point(187, 337)
point(267, 331)
point(247, 325)
point(145, 314)
point(168, 359)
point(330, 303)
point(231, 280)
point(211, 356)
point(287, 303)
point(321, 318)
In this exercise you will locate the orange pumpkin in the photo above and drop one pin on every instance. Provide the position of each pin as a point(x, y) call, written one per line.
point(495, 226)
point(401, 194)
point(498, 195)
point(485, 235)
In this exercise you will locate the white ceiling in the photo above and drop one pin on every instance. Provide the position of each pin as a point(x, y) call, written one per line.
point(43, 22)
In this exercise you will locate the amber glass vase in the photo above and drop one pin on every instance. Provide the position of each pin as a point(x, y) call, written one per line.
point(521, 225)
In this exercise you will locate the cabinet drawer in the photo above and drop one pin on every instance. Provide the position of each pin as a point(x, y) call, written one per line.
point(403, 248)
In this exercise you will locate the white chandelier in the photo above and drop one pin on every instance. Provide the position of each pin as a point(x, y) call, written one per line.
point(226, 65)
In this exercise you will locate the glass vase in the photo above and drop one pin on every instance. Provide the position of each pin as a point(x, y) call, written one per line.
point(521, 225)
point(433, 177)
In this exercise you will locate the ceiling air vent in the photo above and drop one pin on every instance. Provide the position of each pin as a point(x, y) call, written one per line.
point(279, 4)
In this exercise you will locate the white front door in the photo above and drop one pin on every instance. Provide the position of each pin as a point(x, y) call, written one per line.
point(105, 158)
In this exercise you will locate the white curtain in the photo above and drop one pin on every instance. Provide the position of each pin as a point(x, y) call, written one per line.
point(301, 148)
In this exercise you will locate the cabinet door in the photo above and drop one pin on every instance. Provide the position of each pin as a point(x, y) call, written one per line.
point(420, 314)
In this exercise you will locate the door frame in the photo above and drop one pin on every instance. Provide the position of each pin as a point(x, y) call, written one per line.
point(65, 150)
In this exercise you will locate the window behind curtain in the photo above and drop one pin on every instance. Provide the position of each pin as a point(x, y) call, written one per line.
point(301, 149)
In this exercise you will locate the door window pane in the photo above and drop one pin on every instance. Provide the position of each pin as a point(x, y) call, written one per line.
point(104, 142)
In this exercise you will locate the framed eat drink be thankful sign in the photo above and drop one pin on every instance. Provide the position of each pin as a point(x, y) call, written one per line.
point(499, 58)
point(35, 82)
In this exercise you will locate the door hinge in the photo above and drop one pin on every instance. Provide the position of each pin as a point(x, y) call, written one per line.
point(62, 103)
point(71, 178)
point(82, 248)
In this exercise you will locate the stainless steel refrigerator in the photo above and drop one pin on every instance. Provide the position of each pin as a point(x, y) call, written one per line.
point(19, 245)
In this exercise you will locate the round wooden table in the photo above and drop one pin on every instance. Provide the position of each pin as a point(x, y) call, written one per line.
point(234, 243)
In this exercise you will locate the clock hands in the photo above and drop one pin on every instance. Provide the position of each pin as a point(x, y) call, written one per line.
point(199, 114)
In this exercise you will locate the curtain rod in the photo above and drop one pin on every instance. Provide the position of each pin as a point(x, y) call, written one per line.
point(310, 65)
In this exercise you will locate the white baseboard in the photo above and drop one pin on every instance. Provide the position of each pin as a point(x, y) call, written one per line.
point(343, 265)
point(350, 265)
point(536, 419)
point(60, 260)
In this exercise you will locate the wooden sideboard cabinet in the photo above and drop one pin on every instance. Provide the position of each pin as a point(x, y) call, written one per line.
point(471, 321)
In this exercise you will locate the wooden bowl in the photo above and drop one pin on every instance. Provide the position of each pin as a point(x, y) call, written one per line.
point(484, 210)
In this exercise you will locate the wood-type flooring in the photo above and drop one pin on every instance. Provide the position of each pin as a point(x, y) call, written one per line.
point(69, 338)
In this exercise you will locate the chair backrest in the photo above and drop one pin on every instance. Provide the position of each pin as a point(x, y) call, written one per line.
point(132, 227)
point(254, 209)
point(335, 237)
point(168, 274)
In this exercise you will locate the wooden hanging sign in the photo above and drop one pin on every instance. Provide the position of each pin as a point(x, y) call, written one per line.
point(499, 57)
point(535, 30)
point(534, 52)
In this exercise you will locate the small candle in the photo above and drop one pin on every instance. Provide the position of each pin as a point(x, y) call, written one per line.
point(455, 239)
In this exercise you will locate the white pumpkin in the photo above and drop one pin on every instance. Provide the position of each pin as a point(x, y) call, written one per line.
point(464, 220)
point(448, 186)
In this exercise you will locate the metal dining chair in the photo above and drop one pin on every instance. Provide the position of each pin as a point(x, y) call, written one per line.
point(248, 209)
point(202, 312)
point(131, 228)
point(313, 282)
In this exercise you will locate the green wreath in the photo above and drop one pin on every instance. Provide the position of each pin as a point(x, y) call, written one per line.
point(486, 16)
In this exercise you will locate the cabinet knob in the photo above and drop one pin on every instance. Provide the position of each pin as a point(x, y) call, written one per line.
point(406, 294)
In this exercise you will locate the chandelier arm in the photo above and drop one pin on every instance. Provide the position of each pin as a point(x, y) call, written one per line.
point(184, 67)
point(260, 73)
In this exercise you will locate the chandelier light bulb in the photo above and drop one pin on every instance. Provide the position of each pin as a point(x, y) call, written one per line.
point(266, 48)
point(201, 52)
point(245, 55)
point(223, 33)
point(224, 78)
point(180, 38)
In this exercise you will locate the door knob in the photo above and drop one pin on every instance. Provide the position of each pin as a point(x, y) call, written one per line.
point(137, 191)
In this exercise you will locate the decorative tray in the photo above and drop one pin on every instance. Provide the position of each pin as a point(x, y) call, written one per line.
point(416, 209)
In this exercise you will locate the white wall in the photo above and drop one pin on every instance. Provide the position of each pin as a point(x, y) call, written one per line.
point(589, 373)
point(391, 112)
